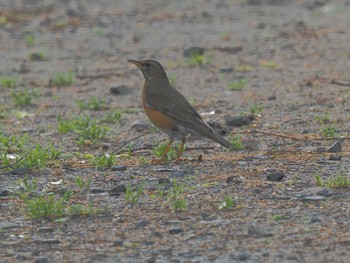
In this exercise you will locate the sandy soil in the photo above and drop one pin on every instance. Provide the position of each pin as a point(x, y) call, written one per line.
point(293, 60)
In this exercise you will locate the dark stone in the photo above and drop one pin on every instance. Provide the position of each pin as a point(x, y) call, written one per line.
point(335, 148)
point(49, 241)
point(5, 192)
point(237, 121)
point(272, 97)
point(163, 181)
point(193, 51)
point(118, 168)
point(178, 174)
point(36, 57)
point(142, 223)
point(231, 50)
point(42, 259)
point(117, 190)
point(140, 126)
point(242, 256)
point(315, 220)
point(120, 90)
point(20, 171)
point(8, 225)
point(321, 149)
point(118, 243)
point(335, 157)
point(254, 231)
point(44, 229)
point(226, 70)
point(175, 230)
point(313, 198)
point(97, 191)
point(275, 176)
point(20, 257)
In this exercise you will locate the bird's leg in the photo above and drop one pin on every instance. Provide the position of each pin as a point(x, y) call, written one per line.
point(163, 159)
point(181, 150)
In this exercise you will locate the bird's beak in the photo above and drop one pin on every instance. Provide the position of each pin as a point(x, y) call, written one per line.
point(135, 62)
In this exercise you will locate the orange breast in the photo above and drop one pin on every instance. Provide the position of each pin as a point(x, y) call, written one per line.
point(160, 120)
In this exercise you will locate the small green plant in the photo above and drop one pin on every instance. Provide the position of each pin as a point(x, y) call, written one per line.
point(92, 104)
point(93, 132)
point(197, 59)
point(81, 184)
point(227, 203)
point(323, 119)
point(63, 79)
point(179, 205)
point(238, 85)
point(328, 131)
point(46, 206)
point(132, 195)
point(243, 68)
point(337, 181)
point(39, 156)
point(237, 143)
point(268, 64)
point(159, 149)
point(29, 186)
point(30, 41)
point(65, 126)
point(105, 160)
point(89, 130)
point(8, 82)
point(279, 217)
point(255, 109)
point(113, 117)
point(81, 210)
point(23, 98)
point(3, 20)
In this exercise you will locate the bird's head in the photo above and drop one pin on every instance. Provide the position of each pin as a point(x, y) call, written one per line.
point(149, 67)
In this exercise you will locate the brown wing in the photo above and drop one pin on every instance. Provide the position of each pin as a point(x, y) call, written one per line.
point(171, 102)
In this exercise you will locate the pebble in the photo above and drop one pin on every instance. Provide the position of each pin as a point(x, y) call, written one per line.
point(242, 256)
point(8, 225)
point(140, 126)
point(163, 181)
point(44, 229)
point(120, 90)
point(142, 223)
point(97, 191)
point(254, 231)
point(48, 241)
point(315, 220)
point(335, 157)
point(192, 51)
point(118, 168)
point(237, 121)
point(335, 148)
point(178, 174)
point(42, 259)
point(175, 230)
point(231, 49)
point(313, 198)
point(117, 190)
point(5, 192)
point(20, 171)
point(275, 176)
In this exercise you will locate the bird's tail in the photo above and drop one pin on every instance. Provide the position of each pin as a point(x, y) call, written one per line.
point(218, 138)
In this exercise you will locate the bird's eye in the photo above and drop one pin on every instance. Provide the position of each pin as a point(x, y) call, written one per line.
point(147, 65)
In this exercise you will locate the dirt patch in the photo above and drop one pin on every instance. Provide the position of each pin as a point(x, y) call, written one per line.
point(66, 84)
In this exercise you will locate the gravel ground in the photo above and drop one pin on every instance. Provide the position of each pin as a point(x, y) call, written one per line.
point(273, 73)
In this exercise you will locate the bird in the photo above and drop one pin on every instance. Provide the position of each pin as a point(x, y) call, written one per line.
point(169, 110)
